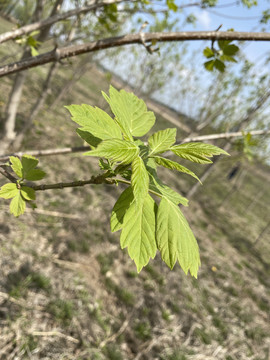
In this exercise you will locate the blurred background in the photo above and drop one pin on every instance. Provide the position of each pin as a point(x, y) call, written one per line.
point(67, 290)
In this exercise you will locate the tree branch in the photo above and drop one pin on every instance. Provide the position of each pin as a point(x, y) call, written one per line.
point(68, 150)
point(227, 135)
point(70, 51)
point(54, 19)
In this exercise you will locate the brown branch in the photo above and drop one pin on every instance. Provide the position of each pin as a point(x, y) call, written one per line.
point(100, 179)
point(70, 51)
point(68, 150)
point(5, 173)
point(54, 19)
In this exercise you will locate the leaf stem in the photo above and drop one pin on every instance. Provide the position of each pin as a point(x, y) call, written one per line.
point(129, 183)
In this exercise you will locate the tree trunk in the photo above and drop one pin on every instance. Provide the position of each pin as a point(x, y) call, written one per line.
point(15, 95)
point(36, 108)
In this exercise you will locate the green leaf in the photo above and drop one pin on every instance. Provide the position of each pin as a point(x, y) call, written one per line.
point(95, 121)
point(174, 166)
point(219, 65)
point(209, 65)
point(88, 137)
point(207, 52)
point(160, 188)
point(223, 43)
point(230, 50)
point(28, 193)
point(8, 191)
point(197, 152)
point(16, 166)
point(116, 150)
point(28, 163)
point(162, 140)
point(171, 5)
point(139, 180)
point(17, 205)
point(175, 240)
point(131, 112)
point(35, 174)
point(120, 208)
point(227, 58)
point(138, 232)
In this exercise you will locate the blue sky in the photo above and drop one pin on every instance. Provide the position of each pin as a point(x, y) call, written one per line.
point(238, 17)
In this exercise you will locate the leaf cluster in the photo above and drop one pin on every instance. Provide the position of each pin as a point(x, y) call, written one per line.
point(21, 194)
point(146, 225)
point(218, 57)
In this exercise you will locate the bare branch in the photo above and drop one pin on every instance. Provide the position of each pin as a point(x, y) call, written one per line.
point(129, 39)
point(227, 135)
point(47, 152)
point(5, 173)
point(68, 150)
point(54, 19)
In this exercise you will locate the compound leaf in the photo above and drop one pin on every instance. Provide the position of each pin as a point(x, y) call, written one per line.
point(138, 233)
point(197, 152)
point(175, 239)
point(169, 164)
point(116, 150)
point(8, 191)
point(16, 166)
point(96, 121)
point(162, 140)
point(160, 188)
point(120, 208)
point(17, 205)
point(130, 111)
point(139, 180)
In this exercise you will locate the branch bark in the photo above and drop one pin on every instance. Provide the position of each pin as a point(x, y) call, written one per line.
point(54, 19)
point(70, 51)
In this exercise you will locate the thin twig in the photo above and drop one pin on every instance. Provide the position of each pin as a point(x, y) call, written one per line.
point(102, 44)
point(53, 19)
point(68, 150)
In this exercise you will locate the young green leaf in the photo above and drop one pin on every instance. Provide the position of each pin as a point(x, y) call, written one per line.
point(16, 166)
point(230, 50)
point(130, 111)
point(95, 121)
point(139, 180)
point(17, 205)
point(169, 164)
point(35, 174)
point(162, 140)
point(138, 232)
point(219, 65)
point(197, 152)
point(160, 188)
point(8, 191)
point(116, 150)
point(28, 193)
point(209, 65)
point(207, 52)
point(28, 164)
point(88, 137)
point(175, 239)
point(120, 208)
